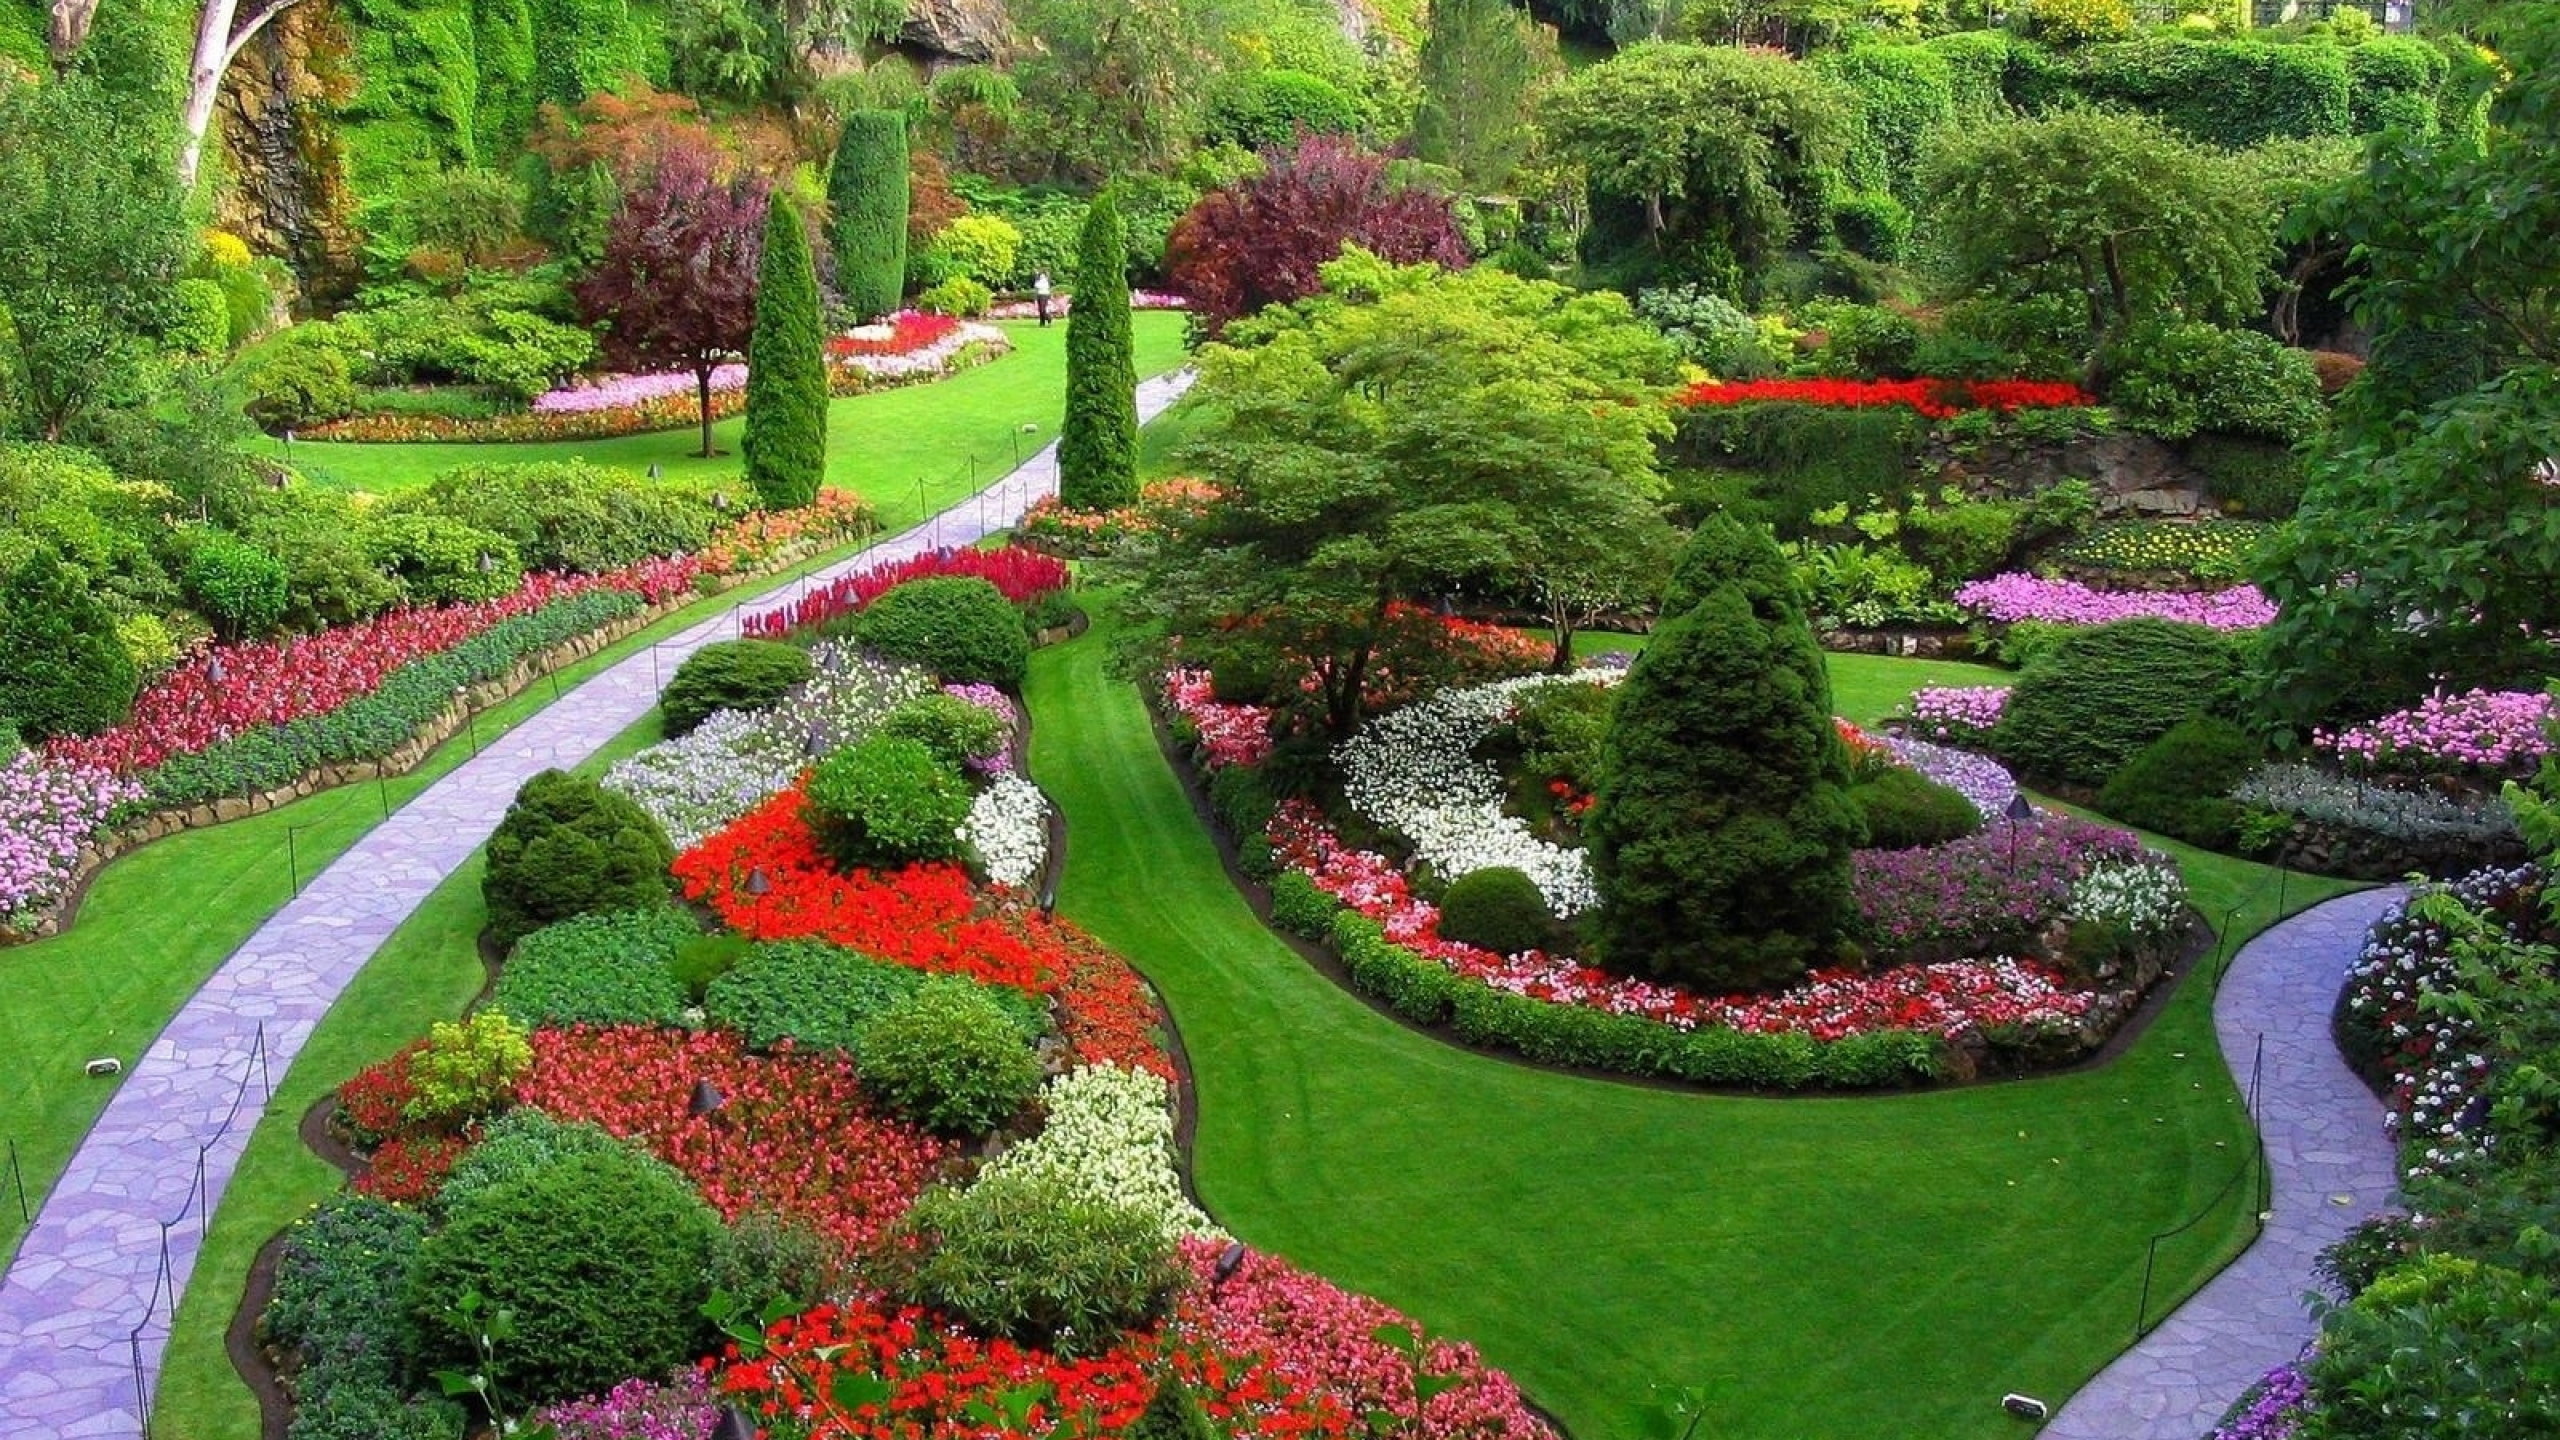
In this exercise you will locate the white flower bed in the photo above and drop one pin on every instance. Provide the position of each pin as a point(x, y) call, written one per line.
point(2144, 897)
point(1110, 1135)
point(1411, 771)
point(1008, 829)
point(925, 360)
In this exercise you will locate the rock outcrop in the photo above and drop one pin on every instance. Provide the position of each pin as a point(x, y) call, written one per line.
point(965, 31)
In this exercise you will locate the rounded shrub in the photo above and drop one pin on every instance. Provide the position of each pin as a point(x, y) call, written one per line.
point(731, 675)
point(886, 801)
point(300, 377)
point(958, 626)
point(242, 589)
point(63, 669)
point(958, 296)
point(807, 992)
point(1905, 809)
point(521, 1143)
point(1035, 1259)
point(441, 561)
point(1498, 909)
point(2083, 709)
point(2181, 783)
point(467, 1070)
point(949, 1058)
point(611, 969)
point(956, 731)
point(570, 847)
point(601, 1257)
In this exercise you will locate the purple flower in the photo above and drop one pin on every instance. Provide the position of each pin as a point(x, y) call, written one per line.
point(2007, 599)
point(681, 1409)
point(2476, 730)
point(2274, 1410)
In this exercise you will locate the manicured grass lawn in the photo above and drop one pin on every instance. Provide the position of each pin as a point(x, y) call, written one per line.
point(878, 445)
point(1864, 688)
point(1854, 1267)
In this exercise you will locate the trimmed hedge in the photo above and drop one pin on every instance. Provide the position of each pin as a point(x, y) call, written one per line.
point(867, 204)
point(731, 675)
point(2180, 784)
point(608, 969)
point(787, 385)
point(1497, 908)
point(1905, 809)
point(570, 847)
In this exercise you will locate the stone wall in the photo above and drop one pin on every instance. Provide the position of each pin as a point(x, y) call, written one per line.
point(2137, 476)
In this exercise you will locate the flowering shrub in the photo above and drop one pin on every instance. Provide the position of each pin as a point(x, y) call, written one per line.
point(49, 811)
point(2139, 898)
point(2008, 599)
point(1020, 575)
point(410, 1169)
point(1958, 714)
point(1052, 525)
point(1109, 1135)
point(1008, 830)
point(2001, 887)
point(1981, 780)
point(2479, 730)
point(374, 1102)
point(995, 702)
point(1936, 399)
point(2204, 549)
point(759, 538)
point(681, 1409)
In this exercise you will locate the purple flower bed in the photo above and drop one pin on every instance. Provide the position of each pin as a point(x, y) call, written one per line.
point(638, 1410)
point(2477, 730)
point(49, 810)
point(2274, 1410)
point(1978, 778)
point(1960, 714)
point(2007, 599)
point(1999, 887)
point(995, 701)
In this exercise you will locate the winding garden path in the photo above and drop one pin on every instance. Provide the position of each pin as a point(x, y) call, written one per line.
point(84, 1308)
point(2332, 1166)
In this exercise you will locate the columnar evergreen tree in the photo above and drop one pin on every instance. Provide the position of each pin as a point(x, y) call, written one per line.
point(1722, 823)
point(867, 191)
point(1478, 65)
point(786, 442)
point(1098, 447)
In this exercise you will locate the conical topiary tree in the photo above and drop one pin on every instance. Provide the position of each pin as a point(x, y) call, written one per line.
point(786, 443)
point(867, 194)
point(1721, 826)
point(1098, 446)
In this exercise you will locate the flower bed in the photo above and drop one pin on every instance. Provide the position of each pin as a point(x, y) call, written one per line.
point(49, 810)
point(1958, 714)
point(2008, 599)
point(1062, 301)
point(1937, 399)
point(2475, 732)
point(1050, 525)
point(1022, 575)
point(2206, 549)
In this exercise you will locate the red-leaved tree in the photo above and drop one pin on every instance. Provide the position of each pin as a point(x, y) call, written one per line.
point(676, 288)
point(1259, 242)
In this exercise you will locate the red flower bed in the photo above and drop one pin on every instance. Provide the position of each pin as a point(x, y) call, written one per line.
point(910, 330)
point(410, 1169)
point(374, 1102)
point(1110, 1014)
point(794, 1136)
point(1936, 399)
point(1022, 575)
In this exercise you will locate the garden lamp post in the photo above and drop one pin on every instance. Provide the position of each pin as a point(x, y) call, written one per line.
point(706, 1098)
point(759, 884)
point(2018, 810)
point(214, 673)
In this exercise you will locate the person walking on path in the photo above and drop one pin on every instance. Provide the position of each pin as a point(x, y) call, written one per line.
point(1040, 294)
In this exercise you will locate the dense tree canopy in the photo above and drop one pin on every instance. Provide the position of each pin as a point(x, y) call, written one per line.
point(1109, 87)
point(1479, 63)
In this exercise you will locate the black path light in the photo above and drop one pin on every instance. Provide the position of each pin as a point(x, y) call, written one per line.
point(1230, 1260)
point(214, 672)
point(706, 1098)
point(734, 1425)
point(758, 882)
point(2018, 810)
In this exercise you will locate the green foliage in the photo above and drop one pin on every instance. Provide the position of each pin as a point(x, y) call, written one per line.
point(339, 1283)
point(570, 847)
point(62, 669)
point(763, 1259)
point(1114, 88)
point(1560, 730)
point(1098, 444)
point(199, 326)
point(887, 802)
point(958, 295)
point(296, 378)
point(242, 589)
point(604, 969)
point(1806, 459)
point(2232, 94)
point(440, 561)
point(731, 675)
point(1034, 1259)
point(1712, 332)
point(787, 386)
point(700, 961)
point(1862, 340)
point(867, 211)
point(567, 514)
point(600, 1257)
point(2079, 22)
point(2393, 81)
point(982, 248)
point(2214, 552)
point(2180, 784)
point(2175, 379)
point(1498, 909)
point(467, 1070)
point(1173, 1413)
point(524, 1143)
point(1262, 108)
point(956, 731)
point(1902, 96)
point(2433, 1350)
point(1478, 67)
point(957, 626)
point(816, 994)
point(1874, 225)
point(1721, 828)
point(1905, 809)
point(2081, 711)
point(949, 1058)
point(2261, 480)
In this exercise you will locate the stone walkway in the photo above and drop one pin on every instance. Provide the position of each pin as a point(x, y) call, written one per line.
point(2332, 1165)
point(90, 1271)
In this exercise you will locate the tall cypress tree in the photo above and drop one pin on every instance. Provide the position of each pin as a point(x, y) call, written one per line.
point(1722, 823)
point(867, 191)
point(786, 443)
point(1098, 446)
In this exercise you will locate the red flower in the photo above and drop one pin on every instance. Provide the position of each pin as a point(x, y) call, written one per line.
point(1936, 399)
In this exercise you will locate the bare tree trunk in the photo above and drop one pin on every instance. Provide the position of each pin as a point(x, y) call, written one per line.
point(702, 393)
point(69, 28)
point(223, 29)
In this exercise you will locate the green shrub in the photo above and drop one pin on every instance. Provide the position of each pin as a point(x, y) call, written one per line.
point(610, 969)
point(1498, 909)
point(524, 1142)
point(2259, 478)
point(867, 211)
point(2218, 552)
point(2079, 22)
point(1862, 340)
point(1559, 730)
point(441, 561)
point(1258, 109)
point(467, 1070)
point(1875, 225)
point(1243, 801)
point(958, 626)
point(1244, 674)
point(200, 321)
point(764, 1259)
point(978, 249)
point(1962, 539)
point(2175, 380)
point(2084, 709)
point(242, 589)
point(949, 1058)
point(821, 996)
point(2438, 1348)
point(602, 1259)
point(63, 671)
point(787, 384)
point(2393, 81)
point(1173, 1413)
point(1300, 908)
point(731, 675)
point(570, 847)
point(298, 378)
point(956, 731)
point(887, 802)
point(339, 1285)
point(1034, 1259)
point(1710, 331)
point(958, 295)
point(2180, 784)
point(569, 514)
point(704, 959)
point(329, 580)
point(1905, 809)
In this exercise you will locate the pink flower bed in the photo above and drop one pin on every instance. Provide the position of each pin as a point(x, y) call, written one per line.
point(1022, 575)
point(49, 809)
point(1030, 309)
point(2493, 730)
point(2008, 599)
point(1232, 734)
point(1957, 714)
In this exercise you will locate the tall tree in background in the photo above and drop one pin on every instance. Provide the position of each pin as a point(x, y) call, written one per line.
point(1479, 64)
point(1109, 87)
point(676, 287)
point(786, 442)
point(1098, 446)
point(867, 192)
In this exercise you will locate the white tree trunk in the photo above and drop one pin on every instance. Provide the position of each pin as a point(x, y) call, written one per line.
point(70, 26)
point(223, 29)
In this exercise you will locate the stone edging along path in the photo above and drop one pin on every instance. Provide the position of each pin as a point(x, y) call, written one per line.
point(90, 1269)
point(2332, 1166)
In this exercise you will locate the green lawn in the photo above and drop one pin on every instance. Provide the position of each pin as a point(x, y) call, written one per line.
point(878, 445)
point(1854, 1267)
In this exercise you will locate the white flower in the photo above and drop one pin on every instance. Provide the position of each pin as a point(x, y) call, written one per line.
point(1110, 1136)
point(1008, 829)
point(2140, 896)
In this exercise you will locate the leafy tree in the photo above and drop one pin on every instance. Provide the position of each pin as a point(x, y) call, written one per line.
point(2427, 549)
point(1479, 63)
point(62, 670)
point(1264, 239)
point(1109, 87)
point(1721, 826)
point(1723, 154)
point(676, 287)
point(786, 440)
point(1410, 431)
point(1098, 445)
point(2115, 212)
point(867, 191)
